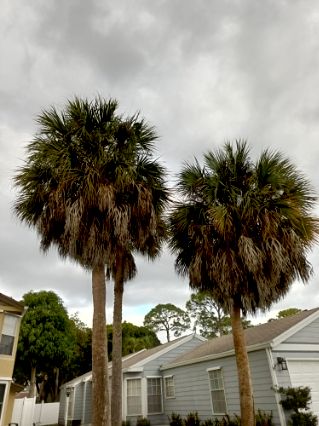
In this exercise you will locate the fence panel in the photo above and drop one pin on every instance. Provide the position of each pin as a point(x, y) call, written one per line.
point(23, 411)
point(26, 412)
point(46, 413)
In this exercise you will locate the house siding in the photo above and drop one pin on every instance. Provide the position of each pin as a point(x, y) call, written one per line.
point(309, 334)
point(7, 361)
point(192, 391)
point(78, 402)
point(152, 369)
point(283, 377)
point(88, 404)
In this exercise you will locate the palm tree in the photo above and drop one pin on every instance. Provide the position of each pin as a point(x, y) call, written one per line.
point(242, 232)
point(91, 187)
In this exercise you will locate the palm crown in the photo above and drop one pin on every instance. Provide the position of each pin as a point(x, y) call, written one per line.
point(243, 229)
point(90, 185)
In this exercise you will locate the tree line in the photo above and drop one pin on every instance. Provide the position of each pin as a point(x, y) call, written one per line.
point(55, 347)
point(240, 229)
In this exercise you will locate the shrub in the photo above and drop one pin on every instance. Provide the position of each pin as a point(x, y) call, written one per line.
point(297, 399)
point(192, 419)
point(263, 418)
point(209, 422)
point(235, 421)
point(303, 419)
point(175, 420)
point(142, 421)
point(126, 423)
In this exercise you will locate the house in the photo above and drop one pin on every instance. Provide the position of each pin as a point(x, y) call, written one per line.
point(191, 375)
point(142, 385)
point(283, 352)
point(11, 313)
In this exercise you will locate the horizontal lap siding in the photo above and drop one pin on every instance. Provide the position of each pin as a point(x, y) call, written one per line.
point(152, 368)
point(283, 377)
point(264, 394)
point(76, 411)
point(78, 402)
point(158, 420)
point(309, 334)
point(192, 387)
point(88, 404)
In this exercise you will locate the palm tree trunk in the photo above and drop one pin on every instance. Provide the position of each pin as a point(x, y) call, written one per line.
point(100, 386)
point(117, 346)
point(243, 370)
point(32, 382)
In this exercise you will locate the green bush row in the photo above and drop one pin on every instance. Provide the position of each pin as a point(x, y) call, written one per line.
point(192, 419)
point(141, 421)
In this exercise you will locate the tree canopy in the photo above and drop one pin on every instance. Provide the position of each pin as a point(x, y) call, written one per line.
point(46, 339)
point(288, 312)
point(81, 359)
point(169, 318)
point(208, 315)
point(242, 231)
point(134, 338)
point(91, 187)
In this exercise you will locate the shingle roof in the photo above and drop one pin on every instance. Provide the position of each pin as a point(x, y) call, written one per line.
point(135, 358)
point(257, 335)
point(142, 355)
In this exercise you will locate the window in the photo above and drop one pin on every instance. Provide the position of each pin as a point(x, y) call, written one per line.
point(217, 391)
point(2, 390)
point(134, 397)
point(154, 395)
point(8, 334)
point(169, 387)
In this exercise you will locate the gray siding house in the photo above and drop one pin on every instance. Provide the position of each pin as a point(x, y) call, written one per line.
point(191, 374)
point(142, 385)
point(282, 352)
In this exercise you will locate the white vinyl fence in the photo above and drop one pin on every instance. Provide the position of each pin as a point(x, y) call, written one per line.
point(27, 413)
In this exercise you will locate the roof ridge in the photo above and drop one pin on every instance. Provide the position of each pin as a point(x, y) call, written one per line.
point(257, 335)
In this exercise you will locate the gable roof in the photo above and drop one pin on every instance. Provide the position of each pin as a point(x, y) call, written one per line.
point(142, 357)
point(138, 359)
point(7, 303)
point(256, 337)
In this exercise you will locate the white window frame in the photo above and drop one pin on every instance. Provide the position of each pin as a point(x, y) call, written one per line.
point(211, 390)
point(161, 386)
point(14, 335)
point(169, 387)
point(127, 395)
point(5, 383)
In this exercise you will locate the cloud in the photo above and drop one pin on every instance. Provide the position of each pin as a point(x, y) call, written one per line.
point(201, 73)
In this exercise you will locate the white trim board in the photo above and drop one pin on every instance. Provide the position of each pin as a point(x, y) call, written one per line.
point(297, 347)
point(274, 379)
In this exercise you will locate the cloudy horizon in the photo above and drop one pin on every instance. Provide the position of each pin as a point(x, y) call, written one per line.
point(201, 72)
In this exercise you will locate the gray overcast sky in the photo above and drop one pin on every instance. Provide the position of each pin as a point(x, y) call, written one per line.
point(201, 72)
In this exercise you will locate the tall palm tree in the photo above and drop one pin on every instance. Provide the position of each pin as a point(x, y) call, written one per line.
point(91, 187)
point(242, 232)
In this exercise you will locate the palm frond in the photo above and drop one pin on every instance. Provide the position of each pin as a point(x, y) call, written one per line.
point(91, 186)
point(244, 229)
